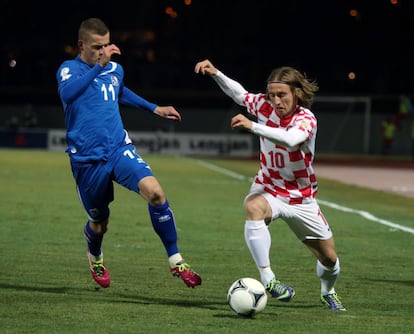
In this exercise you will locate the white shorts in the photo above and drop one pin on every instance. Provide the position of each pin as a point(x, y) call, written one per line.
point(305, 220)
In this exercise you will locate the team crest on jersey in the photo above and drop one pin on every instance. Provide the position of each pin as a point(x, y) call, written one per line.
point(64, 74)
point(114, 81)
point(304, 124)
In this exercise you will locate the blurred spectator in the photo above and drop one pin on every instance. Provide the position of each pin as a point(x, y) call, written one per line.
point(406, 110)
point(388, 128)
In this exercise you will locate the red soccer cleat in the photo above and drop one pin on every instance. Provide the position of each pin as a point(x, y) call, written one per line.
point(188, 275)
point(99, 271)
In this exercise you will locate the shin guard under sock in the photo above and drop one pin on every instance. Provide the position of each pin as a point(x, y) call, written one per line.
point(163, 222)
point(93, 240)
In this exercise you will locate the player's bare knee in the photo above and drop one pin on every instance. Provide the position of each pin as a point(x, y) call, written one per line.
point(328, 260)
point(100, 227)
point(156, 198)
point(254, 210)
point(105, 226)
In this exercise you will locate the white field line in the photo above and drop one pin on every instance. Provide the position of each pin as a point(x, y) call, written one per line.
point(368, 216)
point(362, 213)
point(222, 170)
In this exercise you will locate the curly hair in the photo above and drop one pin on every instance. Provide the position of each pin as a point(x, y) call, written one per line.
point(300, 85)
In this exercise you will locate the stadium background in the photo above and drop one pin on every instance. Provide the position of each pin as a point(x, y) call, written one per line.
point(162, 40)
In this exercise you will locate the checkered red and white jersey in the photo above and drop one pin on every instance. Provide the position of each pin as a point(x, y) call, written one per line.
point(285, 172)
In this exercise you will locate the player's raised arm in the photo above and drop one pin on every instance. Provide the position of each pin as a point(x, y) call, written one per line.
point(229, 86)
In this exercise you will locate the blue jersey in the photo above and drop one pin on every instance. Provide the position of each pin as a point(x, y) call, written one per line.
point(90, 96)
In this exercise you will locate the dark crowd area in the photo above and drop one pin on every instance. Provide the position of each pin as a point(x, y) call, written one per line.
point(350, 47)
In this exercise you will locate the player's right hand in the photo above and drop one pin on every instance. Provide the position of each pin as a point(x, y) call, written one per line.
point(205, 67)
point(107, 53)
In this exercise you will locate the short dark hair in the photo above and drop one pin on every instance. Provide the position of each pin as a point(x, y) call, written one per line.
point(92, 25)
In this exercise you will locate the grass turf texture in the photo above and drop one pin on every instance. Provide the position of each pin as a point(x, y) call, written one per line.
point(46, 287)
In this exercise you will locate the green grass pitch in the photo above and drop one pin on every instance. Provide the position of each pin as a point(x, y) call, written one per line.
point(46, 287)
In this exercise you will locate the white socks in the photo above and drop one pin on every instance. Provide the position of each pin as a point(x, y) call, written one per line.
point(328, 276)
point(258, 240)
point(174, 259)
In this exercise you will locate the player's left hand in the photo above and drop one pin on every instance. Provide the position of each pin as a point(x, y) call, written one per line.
point(168, 112)
point(241, 121)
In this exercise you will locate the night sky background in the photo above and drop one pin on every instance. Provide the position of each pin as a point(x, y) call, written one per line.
point(162, 40)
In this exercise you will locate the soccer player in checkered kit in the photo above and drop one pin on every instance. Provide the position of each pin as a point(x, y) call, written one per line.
point(285, 186)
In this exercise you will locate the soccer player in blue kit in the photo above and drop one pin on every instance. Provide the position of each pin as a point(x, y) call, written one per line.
point(91, 88)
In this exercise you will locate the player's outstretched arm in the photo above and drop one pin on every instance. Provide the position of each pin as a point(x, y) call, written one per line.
point(229, 86)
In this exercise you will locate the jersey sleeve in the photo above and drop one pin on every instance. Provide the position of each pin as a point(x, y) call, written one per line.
point(290, 138)
point(72, 84)
point(302, 128)
point(230, 87)
point(129, 98)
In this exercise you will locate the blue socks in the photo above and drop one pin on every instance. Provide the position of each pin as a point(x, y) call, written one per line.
point(163, 222)
point(94, 240)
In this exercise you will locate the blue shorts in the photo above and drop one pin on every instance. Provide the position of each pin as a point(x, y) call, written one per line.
point(94, 181)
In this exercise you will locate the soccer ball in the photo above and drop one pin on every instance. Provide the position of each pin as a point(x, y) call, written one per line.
point(247, 296)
